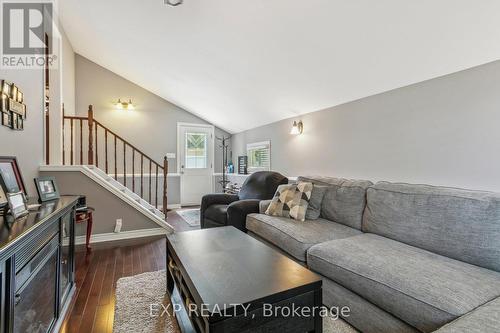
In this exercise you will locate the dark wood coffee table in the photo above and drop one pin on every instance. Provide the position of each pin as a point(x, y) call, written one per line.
point(234, 283)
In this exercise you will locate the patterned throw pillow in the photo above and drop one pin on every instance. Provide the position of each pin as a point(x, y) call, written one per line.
point(291, 200)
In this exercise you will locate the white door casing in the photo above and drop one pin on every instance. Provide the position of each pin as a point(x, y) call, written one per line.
point(195, 152)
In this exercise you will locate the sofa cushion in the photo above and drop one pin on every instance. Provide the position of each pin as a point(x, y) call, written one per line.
point(363, 315)
point(314, 209)
point(217, 213)
point(295, 237)
point(422, 288)
point(460, 224)
point(485, 319)
point(344, 200)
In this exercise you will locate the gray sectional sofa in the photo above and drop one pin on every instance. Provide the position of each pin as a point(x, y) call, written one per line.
point(404, 258)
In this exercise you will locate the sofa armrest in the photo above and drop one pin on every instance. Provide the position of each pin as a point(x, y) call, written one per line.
point(237, 212)
point(484, 319)
point(216, 199)
point(263, 205)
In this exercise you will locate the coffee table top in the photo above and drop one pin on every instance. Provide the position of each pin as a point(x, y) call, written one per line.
point(226, 266)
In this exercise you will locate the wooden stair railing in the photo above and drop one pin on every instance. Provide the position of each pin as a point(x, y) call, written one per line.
point(92, 128)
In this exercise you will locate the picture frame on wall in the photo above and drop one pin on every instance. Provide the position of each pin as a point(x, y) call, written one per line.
point(15, 118)
point(47, 188)
point(4, 103)
point(20, 123)
point(10, 175)
point(13, 91)
point(13, 111)
point(24, 112)
point(7, 119)
point(5, 88)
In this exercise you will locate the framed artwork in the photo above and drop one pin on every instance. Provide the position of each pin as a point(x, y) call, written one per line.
point(15, 107)
point(5, 88)
point(12, 108)
point(7, 119)
point(3, 198)
point(20, 123)
point(46, 188)
point(10, 176)
point(3, 103)
point(17, 204)
point(15, 117)
point(13, 92)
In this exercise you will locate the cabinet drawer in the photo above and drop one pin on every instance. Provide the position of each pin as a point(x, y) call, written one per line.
point(35, 244)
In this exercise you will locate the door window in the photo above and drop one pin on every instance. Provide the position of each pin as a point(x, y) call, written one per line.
point(196, 150)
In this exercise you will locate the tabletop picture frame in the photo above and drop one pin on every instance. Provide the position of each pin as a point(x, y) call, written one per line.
point(47, 188)
point(3, 198)
point(17, 204)
point(10, 175)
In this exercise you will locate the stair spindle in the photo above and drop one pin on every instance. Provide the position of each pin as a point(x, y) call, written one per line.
point(142, 175)
point(63, 145)
point(72, 139)
point(106, 149)
point(156, 188)
point(150, 171)
point(90, 121)
point(124, 166)
point(81, 141)
point(96, 148)
point(165, 187)
point(116, 166)
point(133, 170)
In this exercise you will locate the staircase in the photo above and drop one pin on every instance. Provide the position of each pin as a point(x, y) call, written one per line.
point(104, 156)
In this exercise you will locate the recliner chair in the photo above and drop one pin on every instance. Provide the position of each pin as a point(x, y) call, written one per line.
point(218, 210)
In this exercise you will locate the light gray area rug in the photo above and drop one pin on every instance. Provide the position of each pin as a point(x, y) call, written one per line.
point(191, 216)
point(139, 301)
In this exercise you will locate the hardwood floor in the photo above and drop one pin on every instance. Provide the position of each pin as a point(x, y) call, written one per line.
point(93, 305)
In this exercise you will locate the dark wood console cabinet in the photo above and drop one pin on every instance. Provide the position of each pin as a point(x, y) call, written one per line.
point(37, 267)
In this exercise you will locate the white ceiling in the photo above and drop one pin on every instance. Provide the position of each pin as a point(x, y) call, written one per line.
point(244, 63)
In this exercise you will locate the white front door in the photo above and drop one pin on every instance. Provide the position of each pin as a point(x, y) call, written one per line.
point(196, 154)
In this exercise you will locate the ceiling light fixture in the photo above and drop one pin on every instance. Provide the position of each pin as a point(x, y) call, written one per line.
point(297, 128)
point(173, 3)
point(125, 105)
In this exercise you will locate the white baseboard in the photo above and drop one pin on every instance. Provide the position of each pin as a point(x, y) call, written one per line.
point(174, 206)
point(112, 236)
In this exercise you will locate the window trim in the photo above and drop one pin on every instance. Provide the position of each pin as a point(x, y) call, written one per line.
point(254, 145)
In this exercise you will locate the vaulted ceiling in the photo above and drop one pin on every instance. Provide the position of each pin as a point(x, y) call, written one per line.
point(244, 63)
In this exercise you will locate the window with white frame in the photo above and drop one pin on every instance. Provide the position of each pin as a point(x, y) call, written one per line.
point(259, 156)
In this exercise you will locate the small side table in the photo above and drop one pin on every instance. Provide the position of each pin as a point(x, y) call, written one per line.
point(82, 216)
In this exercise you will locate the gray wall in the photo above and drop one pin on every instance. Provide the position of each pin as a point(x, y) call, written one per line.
point(27, 145)
point(443, 131)
point(152, 127)
point(107, 206)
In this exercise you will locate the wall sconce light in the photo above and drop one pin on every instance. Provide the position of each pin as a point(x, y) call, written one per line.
point(124, 105)
point(297, 128)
